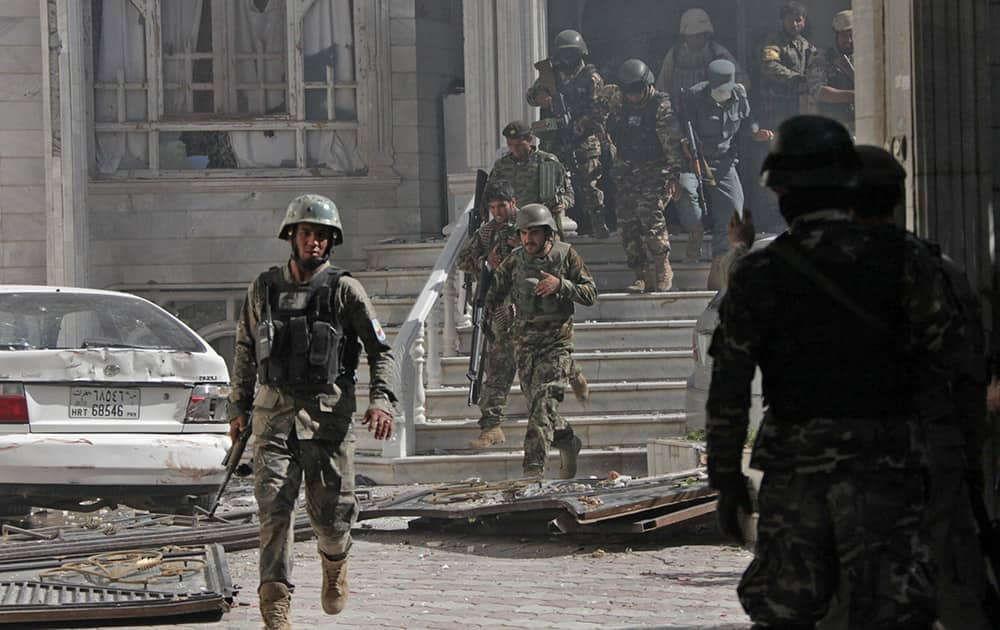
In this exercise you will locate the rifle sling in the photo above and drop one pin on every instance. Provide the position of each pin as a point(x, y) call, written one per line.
point(801, 264)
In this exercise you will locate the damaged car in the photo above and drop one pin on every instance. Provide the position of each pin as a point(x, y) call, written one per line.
point(106, 399)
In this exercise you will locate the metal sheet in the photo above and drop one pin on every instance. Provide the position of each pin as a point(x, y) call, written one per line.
point(32, 593)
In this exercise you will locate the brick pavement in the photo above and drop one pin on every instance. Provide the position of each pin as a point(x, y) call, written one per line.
point(404, 578)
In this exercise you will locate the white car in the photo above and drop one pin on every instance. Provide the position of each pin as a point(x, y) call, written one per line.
point(105, 399)
point(697, 384)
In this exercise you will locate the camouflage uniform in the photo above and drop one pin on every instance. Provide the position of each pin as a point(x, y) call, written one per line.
point(784, 65)
point(306, 431)
point(500, 366)
point(526, 178)
point(580, 147)
point(648, 141)
point(543, 337)
point(835, 69)
point(844, 485)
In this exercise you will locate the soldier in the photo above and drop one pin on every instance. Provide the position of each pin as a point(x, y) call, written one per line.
point(646, 169)
point(831, 77)
point(299, 338)
point(716, 109)
point(837, 316)
point(785, 62)
point(687, 61)
point(537, 176)
point(491, 245)
point(543, 279)
point(954, 416)
point(579, 146)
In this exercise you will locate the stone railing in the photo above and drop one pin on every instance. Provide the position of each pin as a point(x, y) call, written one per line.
point(429, 332)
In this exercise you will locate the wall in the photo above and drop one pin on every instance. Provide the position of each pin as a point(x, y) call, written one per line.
point(22, 188)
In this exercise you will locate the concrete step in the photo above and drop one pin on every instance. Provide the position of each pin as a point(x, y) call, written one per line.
point(646, 306)
point(450, 403)
point(397, 282)
point(622, 430)
point(497, 466)
point(594, 251)
point(662, 334)
point(601, 366)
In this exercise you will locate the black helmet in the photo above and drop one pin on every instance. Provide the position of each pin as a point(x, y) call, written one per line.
point(811, 152)
point(569, 39)
point(634, 75)
point(881, 182)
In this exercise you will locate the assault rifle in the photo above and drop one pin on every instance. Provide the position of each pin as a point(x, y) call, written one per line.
point(232, 463)
point(479, 323)
point(476, 218)
point(699, 166)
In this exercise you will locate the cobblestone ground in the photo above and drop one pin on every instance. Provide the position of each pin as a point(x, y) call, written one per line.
point(404, 578)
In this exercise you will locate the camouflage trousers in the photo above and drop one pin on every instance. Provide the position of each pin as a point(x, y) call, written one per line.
point(543, 370)
point(498, 374)
point(640, 203)
point(280, 465)
point(864, 522)
point(583, 161)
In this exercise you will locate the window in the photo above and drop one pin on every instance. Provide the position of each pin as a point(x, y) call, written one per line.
point(222, 90)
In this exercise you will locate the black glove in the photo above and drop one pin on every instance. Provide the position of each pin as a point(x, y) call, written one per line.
point(733, 497)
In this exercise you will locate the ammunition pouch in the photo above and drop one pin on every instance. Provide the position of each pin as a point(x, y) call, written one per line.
point(551, 179)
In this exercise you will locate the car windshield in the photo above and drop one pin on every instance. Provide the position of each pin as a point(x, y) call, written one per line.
point(33, 321)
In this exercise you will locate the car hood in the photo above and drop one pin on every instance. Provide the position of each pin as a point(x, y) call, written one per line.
point(112, 365)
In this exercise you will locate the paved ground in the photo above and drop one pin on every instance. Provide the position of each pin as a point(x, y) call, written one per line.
point(403, 578)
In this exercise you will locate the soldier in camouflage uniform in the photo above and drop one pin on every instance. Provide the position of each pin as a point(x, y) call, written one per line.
point(537, 176)
point(785, 62)
point(580, 146)
point(490, 245)
point(647, 135)
point(298, 340)
point(844, 322)
point(543, 279)
point(953, 411)
point(831, 77)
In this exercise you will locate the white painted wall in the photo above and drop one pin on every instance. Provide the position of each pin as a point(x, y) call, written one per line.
point(22, 188)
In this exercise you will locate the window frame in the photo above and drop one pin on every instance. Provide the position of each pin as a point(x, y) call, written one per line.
point(295, 120)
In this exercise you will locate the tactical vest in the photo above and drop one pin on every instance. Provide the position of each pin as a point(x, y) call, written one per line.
point(533, 309)
point(821, 360)
point(633, 129)
point(577, 90)
point(300, 340)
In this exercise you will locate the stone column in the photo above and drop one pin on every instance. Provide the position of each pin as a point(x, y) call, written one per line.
point(65, 101)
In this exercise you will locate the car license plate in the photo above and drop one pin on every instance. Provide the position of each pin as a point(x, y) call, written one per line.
point(116, 403)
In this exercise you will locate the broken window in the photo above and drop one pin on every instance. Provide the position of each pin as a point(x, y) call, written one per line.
point(216, 93)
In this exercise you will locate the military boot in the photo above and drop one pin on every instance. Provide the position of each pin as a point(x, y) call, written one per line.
point(488, 437)
point(534, 471)
point(695, 238)
point(334, 595)
point(639, 286)
point(275, 603)
point(659, 274)
point(569, 445)
point(715, 280)
point(581, 388)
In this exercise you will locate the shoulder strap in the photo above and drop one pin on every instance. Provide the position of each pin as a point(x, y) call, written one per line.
point(322, 288)
point(790, 254)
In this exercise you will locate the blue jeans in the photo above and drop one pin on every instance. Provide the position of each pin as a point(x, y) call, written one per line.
point(722, 199)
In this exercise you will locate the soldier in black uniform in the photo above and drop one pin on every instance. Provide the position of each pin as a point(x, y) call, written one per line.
point(845, 322)
point(580, 145)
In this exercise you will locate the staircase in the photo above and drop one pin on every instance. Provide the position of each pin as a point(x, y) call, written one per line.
point(635, 351)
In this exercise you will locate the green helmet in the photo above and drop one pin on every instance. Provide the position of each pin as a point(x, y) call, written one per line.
point(633, 74)
point(312, 209)
point(534, 215)
point(570, 39)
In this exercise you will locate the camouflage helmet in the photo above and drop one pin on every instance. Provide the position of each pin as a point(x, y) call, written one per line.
point(570, 39)
point(312, 209)
point(634, 74)
point(535, 215)
point(811, 152)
